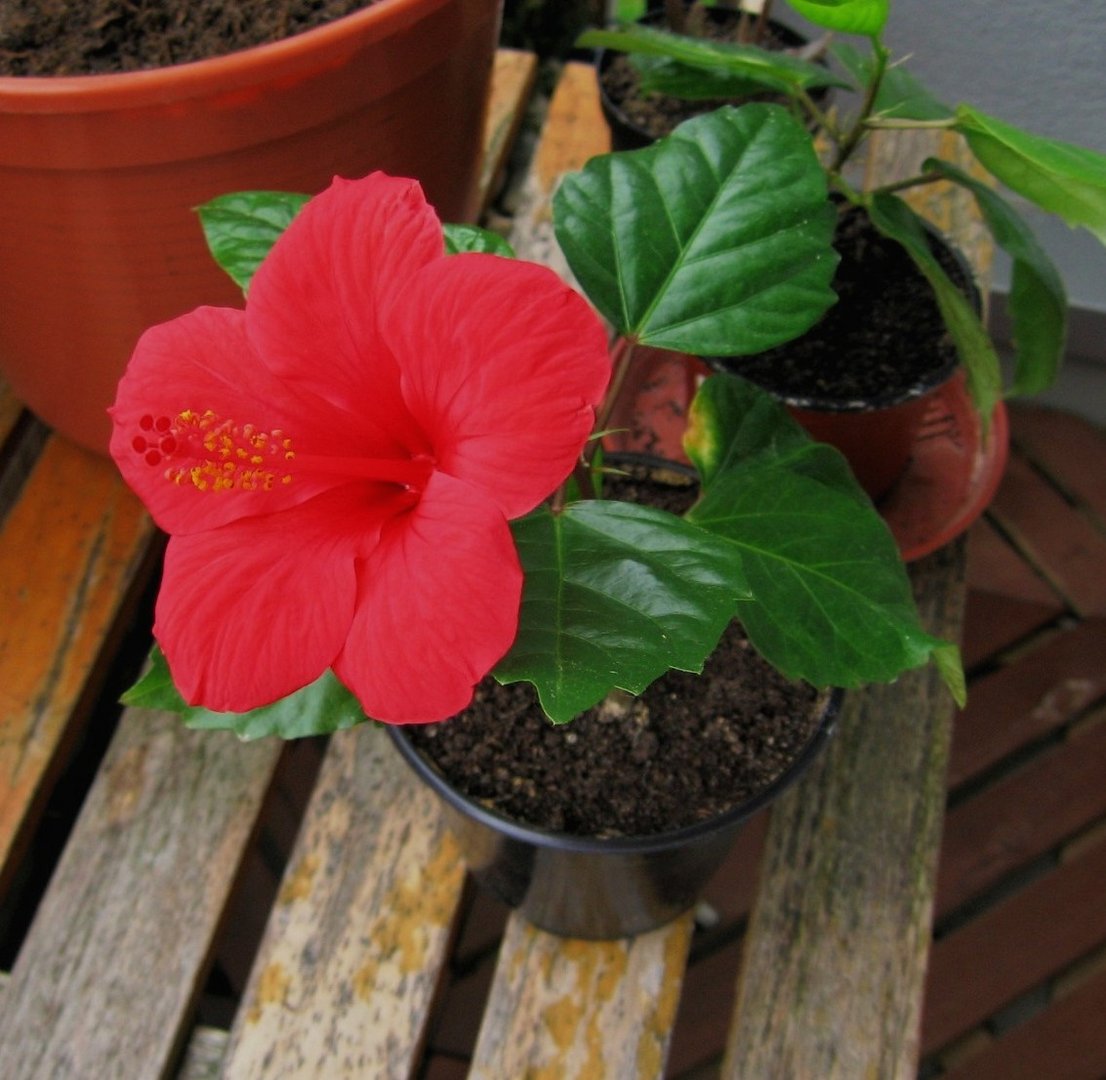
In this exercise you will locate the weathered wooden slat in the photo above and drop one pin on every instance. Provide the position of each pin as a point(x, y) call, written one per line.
point(1014, 946)
point(564, 1008)
point(574, 131)
point(1027, 701)
point(835, 955)
point(73, 552)
point(512, 83)
point(1006, 826)
point(118, 949)
point(350, 960)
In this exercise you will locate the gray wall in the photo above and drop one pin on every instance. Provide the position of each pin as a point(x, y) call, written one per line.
point(1040, 65)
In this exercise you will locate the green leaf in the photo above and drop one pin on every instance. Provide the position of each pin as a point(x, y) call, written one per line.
point(323, 707)
point(615, 595)
point(1059, 177)
point(1038, 304)
point(466, 238)
point(896, 220)
point(900, 96)
point(767, 69)
point(660, 75)
point(866, 17)
point(155, 688)
point(831, 602)
point(241, 228)
point(733, 424)
point(715, 240)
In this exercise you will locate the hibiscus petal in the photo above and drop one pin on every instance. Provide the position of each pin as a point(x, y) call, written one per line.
point(201, 364)
point(313, 303)
point(260, 608)
point(502, 365)
point(437, 607)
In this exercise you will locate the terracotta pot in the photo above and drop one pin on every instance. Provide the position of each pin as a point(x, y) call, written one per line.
point(99, 176)
point(592, 887)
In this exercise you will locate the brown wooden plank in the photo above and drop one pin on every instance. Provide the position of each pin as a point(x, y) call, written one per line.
point(995, 566)
point(1070, 449)
point(1020, 704)
point(1065, 1042)
point(835, 953)
point(512, 83)
point(565, 1008)
point(110, 969)
point(1010, 823)
point(1014, 946)
point(72, 554)
point(994, 623)
point(1067, 549)
point(344, 978)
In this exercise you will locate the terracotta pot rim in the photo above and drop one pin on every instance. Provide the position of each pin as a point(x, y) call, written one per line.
point(87, 93)
point(539, 837)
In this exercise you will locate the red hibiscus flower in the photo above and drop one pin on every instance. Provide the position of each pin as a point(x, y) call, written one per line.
point(336, 464)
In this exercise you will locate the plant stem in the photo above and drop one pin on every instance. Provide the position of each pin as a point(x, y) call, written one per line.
point(621, 355)
point(853, 138)
point(914, 181)
point(874, 123)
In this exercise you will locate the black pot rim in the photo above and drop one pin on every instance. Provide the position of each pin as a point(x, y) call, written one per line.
point(921, 387)
point(540, 837)
point(604, 56)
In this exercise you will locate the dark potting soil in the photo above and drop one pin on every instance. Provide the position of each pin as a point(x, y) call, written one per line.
point(688, 748)
point(884, 335)
point(656, 115)
point(91, 37)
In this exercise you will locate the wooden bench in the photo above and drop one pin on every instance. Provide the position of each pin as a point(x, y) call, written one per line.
point(319, 876)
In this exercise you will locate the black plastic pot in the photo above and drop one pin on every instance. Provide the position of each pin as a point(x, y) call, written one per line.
point(626, 134)
point(597, 888)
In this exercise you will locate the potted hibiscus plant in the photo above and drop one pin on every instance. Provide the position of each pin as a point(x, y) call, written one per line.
point(1057, 177)
point(387, 497)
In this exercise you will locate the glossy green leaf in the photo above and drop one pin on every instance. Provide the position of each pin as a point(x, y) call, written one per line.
point(323, 707)
point(900, 96)
point(831, 602)
point(465, 238)
point(1059, 177)
point(661, 75)
point(715, 240)
point(1038, 304)
point(866, 17)
point(241, 228)
point(767, 69)
point(734, 425)
point(615, 595)
point(896, 220)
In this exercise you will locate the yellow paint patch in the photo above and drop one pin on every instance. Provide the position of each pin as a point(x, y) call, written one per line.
point(657, 1025)
point(297, 885)
point(272, 989)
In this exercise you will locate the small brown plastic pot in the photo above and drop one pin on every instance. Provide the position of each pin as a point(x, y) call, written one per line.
point(100, 175)
point(599, 888)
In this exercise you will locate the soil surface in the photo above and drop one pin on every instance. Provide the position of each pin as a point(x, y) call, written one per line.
point(884, 336)
point(687, 749)
point(91, 37)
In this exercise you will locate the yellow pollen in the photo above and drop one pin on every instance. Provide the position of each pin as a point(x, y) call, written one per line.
point(214, 454)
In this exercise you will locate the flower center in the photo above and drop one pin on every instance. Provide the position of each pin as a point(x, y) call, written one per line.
point(214, 454)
